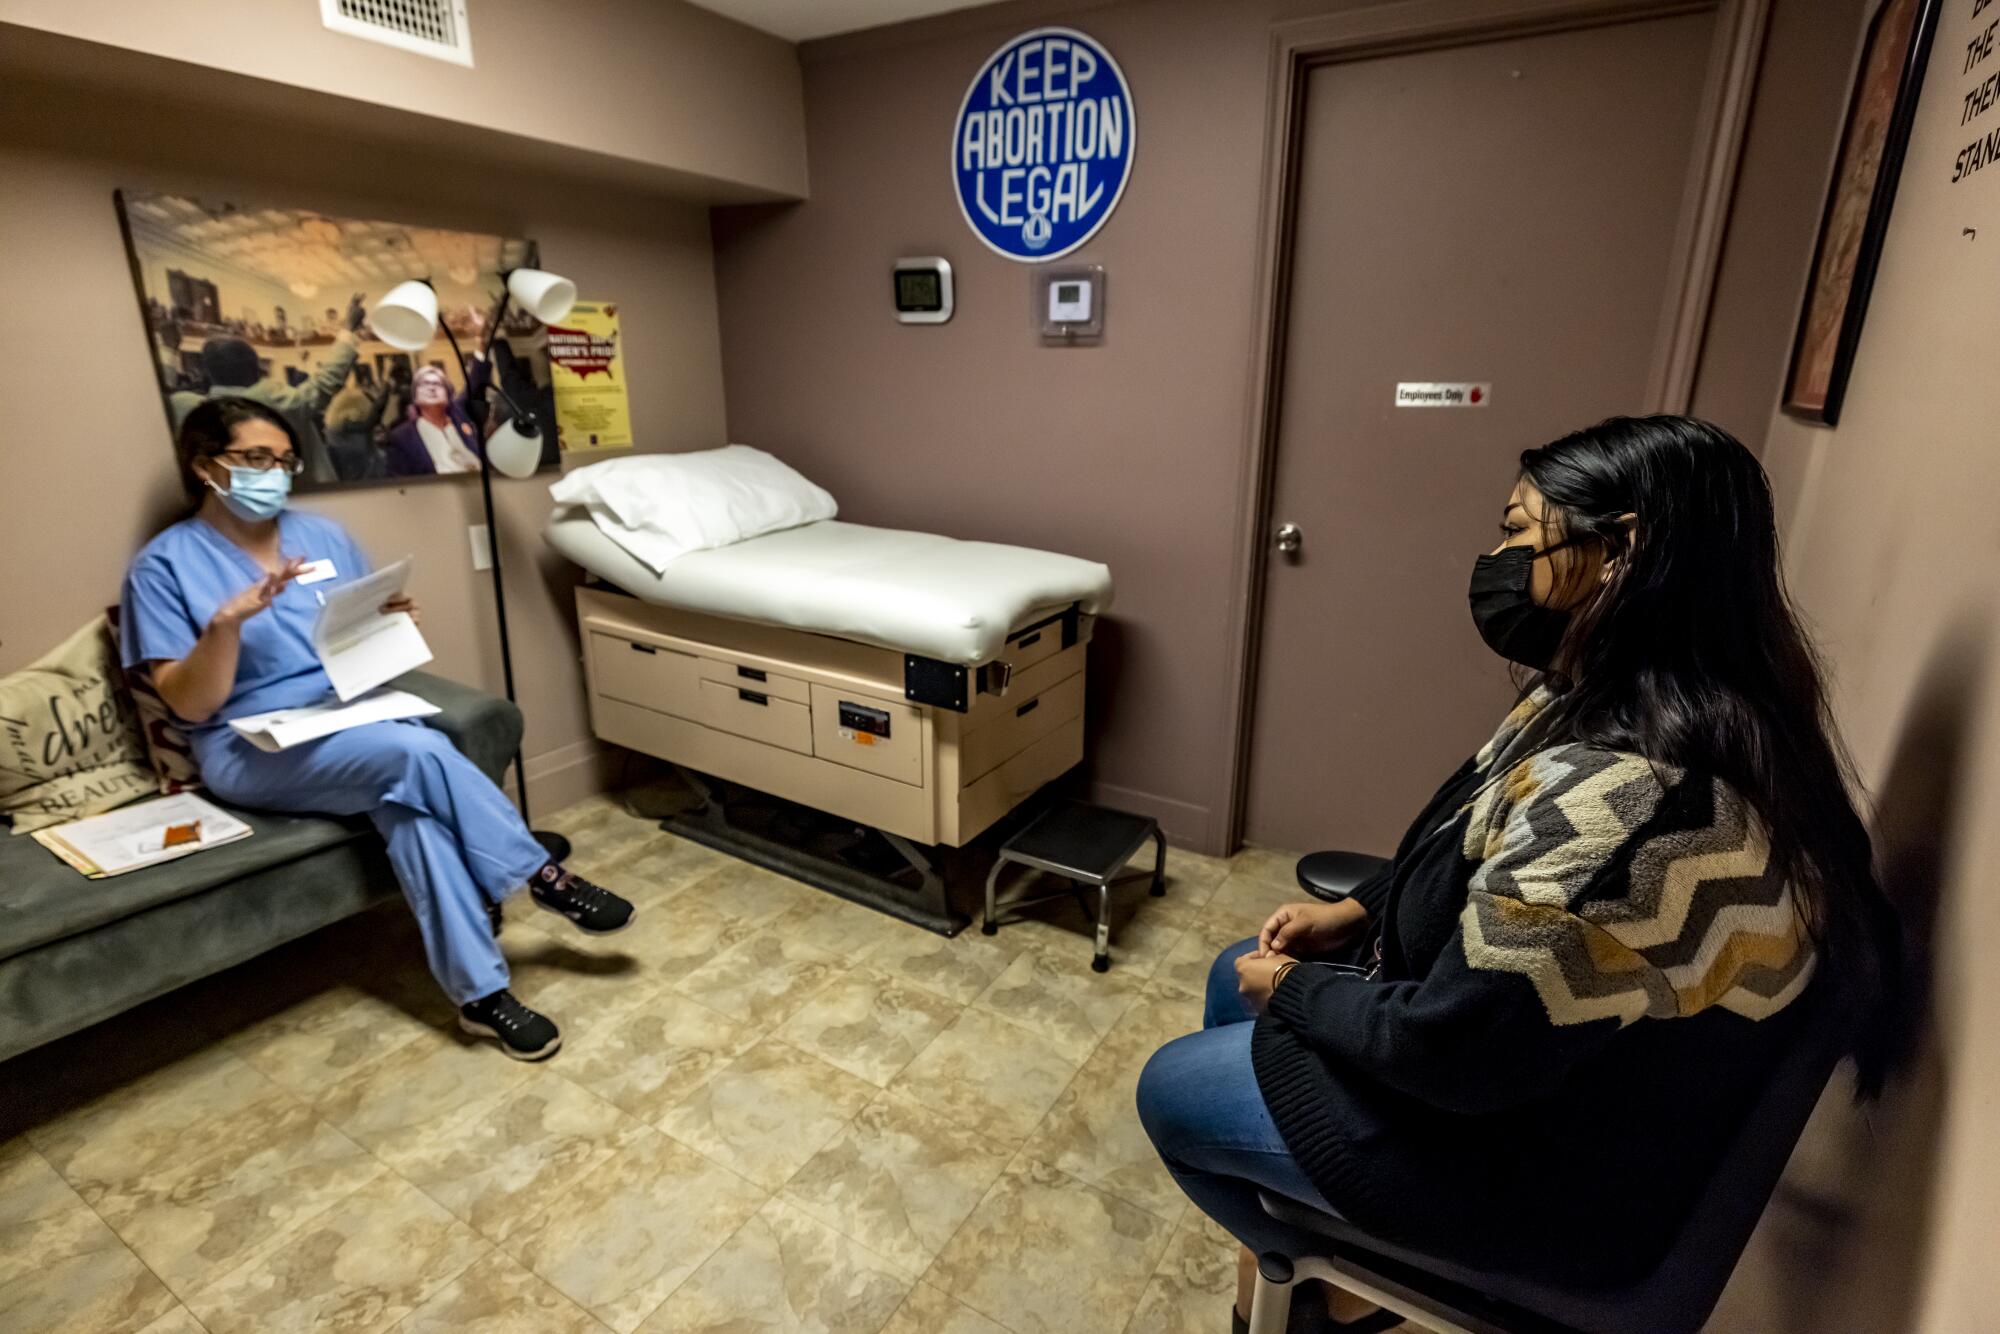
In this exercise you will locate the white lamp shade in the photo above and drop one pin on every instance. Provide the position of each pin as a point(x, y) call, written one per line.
point(544, 295)
point(513, 452)
point(407, 317)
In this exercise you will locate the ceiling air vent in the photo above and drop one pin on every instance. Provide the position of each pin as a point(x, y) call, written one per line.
point(434, 28)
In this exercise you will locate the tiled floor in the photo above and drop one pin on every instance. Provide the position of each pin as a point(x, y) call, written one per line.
point(773, 1111)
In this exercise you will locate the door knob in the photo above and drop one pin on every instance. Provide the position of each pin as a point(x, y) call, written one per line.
point(1289, 538)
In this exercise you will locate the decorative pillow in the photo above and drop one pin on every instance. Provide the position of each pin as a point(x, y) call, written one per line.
point(69, 744)
point(167, 747)
point(662, 506)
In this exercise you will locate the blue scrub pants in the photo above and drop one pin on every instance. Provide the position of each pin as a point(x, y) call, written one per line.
point(1199, 1101)
point(456, 842)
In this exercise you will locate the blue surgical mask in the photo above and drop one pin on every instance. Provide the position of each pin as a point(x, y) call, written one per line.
point(255, 496)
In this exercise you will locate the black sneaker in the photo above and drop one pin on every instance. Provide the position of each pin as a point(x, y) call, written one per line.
point(592, 910)
point(521, 1033)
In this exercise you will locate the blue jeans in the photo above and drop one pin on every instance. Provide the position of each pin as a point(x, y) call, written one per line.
point(1199, 1101)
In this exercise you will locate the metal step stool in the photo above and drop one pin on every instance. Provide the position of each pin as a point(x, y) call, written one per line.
point(1086, 845)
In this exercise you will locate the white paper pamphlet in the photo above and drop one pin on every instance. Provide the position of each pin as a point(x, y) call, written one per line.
point(358, 644)
point(281, 728)
point(142, 835)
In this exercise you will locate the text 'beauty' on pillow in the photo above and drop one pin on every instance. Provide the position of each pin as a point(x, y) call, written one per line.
point(662, 506)
point(69, 742)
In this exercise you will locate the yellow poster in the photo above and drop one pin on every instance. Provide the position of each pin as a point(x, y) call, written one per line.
point(587, 363)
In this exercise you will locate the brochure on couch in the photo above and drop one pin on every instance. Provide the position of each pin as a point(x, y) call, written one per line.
point(360, 646)
point(145, 834)
point(283, 728)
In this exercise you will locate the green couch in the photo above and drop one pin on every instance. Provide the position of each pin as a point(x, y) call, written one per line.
point(74, 951)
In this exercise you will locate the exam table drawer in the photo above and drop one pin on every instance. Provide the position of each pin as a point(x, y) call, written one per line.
point(899, 755)
point(744, 712)
point(1026, 648)
point(645, 674)
point(1021, 726)
point(737, 677)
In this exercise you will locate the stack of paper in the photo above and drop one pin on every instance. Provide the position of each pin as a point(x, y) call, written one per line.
point(142, 835)
point(281, 728)
point(359, 645)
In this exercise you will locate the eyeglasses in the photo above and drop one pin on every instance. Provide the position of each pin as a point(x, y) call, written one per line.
point(263, 460)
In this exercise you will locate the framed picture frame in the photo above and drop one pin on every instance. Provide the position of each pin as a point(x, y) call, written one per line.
point(271, 304)
point(1880, 109)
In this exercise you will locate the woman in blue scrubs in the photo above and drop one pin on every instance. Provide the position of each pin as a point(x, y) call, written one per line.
point(220, 609)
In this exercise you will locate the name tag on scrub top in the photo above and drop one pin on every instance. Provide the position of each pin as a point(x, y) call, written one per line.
point(318, 572)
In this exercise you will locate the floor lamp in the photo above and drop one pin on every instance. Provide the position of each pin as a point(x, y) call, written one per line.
point(407, 318)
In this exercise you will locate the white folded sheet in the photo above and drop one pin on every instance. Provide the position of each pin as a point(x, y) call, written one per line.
point(912, 592)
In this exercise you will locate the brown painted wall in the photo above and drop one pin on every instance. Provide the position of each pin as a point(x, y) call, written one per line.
point(657, 84)
point(1130, 452)
point(89, 470)
point(1890, 523)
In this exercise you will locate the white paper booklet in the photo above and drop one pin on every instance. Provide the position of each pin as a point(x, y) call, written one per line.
point(281, 728)
point(359, 646)
point(142, 835)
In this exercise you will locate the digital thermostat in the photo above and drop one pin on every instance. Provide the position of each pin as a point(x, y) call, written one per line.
point(923, 290)
point(1069, 302)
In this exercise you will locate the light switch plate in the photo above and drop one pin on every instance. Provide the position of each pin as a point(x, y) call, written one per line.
point(482, 546)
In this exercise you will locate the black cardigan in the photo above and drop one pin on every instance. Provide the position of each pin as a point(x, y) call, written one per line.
point(1583, 969)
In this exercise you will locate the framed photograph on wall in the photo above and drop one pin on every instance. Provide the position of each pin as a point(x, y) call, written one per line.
point(271, 304)
point(1880, 109)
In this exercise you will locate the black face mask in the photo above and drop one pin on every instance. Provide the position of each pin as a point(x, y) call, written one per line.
point(1511, 622)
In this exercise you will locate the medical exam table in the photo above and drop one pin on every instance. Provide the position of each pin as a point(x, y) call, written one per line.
point(915, 684)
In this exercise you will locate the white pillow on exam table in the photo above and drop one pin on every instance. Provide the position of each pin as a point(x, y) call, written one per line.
point(662, 506)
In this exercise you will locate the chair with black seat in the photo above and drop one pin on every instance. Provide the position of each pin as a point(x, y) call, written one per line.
point(1675, 1298)
point(1334, 875)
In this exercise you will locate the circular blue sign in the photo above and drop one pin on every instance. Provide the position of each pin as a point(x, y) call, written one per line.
point(1043, 144)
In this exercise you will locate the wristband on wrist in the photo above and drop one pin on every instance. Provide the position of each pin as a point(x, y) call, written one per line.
point(1283, 968)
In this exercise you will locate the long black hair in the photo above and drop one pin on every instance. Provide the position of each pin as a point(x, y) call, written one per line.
point(1692, 655)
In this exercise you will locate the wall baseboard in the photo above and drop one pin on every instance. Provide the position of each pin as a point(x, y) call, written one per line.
point(1185, 824)
point(569, 774)
point(583, 769)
